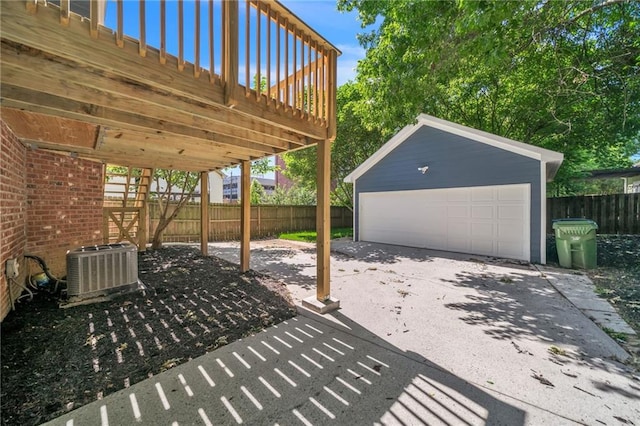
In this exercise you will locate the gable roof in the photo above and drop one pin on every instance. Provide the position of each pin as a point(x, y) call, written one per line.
point(552, 158)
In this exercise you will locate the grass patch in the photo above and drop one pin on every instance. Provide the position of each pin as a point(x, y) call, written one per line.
point(310, 236)
point(615, 335)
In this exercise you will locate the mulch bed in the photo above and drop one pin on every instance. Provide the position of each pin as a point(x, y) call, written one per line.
point(55, 360)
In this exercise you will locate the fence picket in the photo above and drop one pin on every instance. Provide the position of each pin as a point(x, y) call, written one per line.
point(224, 221)
point(614, 214)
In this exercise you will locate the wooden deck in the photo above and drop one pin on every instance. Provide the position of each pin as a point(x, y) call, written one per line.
point(73, 85)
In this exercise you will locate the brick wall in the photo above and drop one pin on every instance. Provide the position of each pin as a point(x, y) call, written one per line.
point(64, 206)
point(13, 216)
point(281, 179)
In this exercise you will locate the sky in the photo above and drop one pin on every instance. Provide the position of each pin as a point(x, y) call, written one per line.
point(338, 28)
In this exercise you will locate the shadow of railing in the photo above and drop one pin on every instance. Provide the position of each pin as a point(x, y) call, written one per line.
point(409, 389)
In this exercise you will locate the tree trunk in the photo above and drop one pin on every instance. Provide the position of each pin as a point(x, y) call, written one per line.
point(156, 243)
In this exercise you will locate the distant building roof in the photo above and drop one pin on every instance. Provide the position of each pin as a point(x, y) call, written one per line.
point(616, 173)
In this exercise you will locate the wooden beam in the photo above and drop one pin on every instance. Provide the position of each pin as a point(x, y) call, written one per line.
point(323, 220)
point(22, 98)
point(204, 213)
point(332, 85)
point(95, 88)
point(245, 215)
point(230, 51)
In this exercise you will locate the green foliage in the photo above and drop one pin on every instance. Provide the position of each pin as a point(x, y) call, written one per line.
point(294, 196)
point(258, 196)
point(353, 145)
point(311, 236)
point(560, 75)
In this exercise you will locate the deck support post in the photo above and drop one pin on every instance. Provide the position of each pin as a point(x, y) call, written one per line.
point(245, 215)
point(323, 302)
point(204, 213)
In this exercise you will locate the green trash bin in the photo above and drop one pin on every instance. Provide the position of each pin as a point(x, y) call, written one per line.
point(576, 242)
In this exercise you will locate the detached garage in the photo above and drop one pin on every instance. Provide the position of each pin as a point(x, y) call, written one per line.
point(440, 185)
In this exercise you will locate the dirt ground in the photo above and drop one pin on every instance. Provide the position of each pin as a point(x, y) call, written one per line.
point(54, 360)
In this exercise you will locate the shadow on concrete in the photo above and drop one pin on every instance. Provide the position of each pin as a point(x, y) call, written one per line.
point(409, 389)
point(519, 305)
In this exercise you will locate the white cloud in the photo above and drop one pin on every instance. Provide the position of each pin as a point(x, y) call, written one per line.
point(348, 61)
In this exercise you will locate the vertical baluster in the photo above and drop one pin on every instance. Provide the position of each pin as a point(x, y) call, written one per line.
point(212, 51)
point(120, 24)
point(268, 53)
point(258, 77)
point(196, 53)
point(247, 44)
point(94, 13)
point(316, 101)
point(309, 86)
point(142, 49)
point(180, 35)
point(279, 61)
point(163, 31)
point(294, 101)
point(331, 94)
point(286, 64)
point(323, 84)
point(302, 74)
point(64, 12)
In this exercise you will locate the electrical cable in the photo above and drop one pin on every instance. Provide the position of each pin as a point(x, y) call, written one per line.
point(45, 269)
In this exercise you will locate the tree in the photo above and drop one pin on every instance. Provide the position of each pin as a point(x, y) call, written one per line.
point(354, 144)
point(295, 196)
point(561, 75)
point(257, 195)
point(173, 189)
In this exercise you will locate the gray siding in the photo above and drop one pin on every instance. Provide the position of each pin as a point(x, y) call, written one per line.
point(453, 162)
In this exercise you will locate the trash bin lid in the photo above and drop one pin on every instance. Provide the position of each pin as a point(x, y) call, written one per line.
point(574, 223)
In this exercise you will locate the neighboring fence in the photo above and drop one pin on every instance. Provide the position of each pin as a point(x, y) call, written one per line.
point(614, 214)
point(224, 221)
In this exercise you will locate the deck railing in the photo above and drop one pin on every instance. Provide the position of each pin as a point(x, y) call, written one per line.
point(256, 49)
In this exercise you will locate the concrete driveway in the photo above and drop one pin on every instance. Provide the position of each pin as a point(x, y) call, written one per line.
point(499, 326)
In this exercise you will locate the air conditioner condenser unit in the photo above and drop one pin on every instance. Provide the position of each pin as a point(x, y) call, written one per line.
point(98, 270)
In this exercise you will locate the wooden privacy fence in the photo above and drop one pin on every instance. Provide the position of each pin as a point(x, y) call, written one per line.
point(224, 221)
point(614, 214)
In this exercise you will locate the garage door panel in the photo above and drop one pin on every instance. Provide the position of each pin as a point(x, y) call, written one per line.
point(482, 212)
point(483, 194)
point(510, 212)
point(483, 230)
point(511, 250)
point(512, 193)
point(457, 194)
point(491, 220)
point(482, 246)
point(458, 212)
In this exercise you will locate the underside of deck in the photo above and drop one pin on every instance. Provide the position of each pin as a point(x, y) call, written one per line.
point(66, 91)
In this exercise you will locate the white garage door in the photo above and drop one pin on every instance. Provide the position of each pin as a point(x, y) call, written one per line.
point(487, 220)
